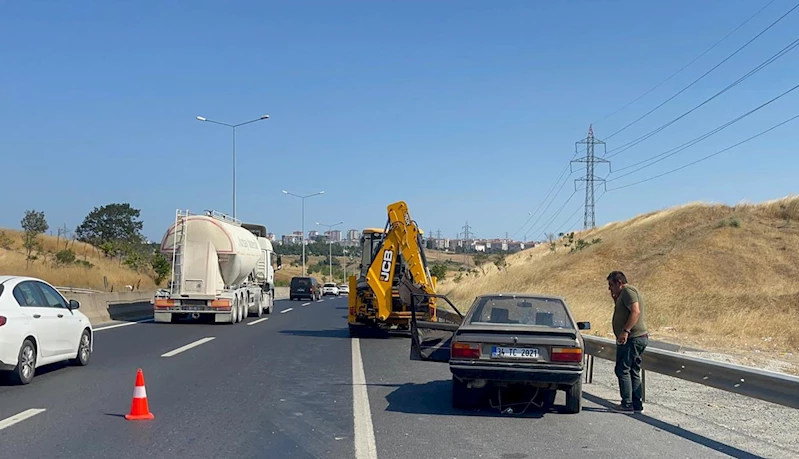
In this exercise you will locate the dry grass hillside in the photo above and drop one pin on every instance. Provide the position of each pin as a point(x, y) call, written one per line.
point(712, 276)
point(12, 262)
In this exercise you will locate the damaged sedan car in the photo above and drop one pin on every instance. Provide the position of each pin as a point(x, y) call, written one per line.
point(512, 350)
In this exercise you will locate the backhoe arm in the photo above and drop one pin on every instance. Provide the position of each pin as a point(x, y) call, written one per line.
point(402, 237)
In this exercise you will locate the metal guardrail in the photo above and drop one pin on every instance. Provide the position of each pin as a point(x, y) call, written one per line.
point(764, 385)
point(77, 290)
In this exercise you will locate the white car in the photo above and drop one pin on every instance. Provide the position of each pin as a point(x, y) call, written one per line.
point(343, 288)
point(330, 289)
point(38, 326)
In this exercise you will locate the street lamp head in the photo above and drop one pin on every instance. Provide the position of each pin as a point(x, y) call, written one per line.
point(265, 117)
point(285, 192)
point(201, 118)
point(321, 192)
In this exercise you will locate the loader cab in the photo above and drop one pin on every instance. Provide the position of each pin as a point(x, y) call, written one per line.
point(370, 243)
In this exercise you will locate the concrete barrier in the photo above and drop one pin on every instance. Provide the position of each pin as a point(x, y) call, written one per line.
point(281, 293)
point(107, 307)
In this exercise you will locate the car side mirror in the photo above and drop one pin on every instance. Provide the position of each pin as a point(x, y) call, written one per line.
point(583, 325)
point(74, 304)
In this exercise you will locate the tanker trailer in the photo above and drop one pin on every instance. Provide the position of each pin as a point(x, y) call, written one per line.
point(213, 262)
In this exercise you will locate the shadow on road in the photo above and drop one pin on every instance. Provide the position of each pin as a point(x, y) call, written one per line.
point(331, 333)
point(5, 379)
point(342, 307)
point(680, 432)
point(434, 398)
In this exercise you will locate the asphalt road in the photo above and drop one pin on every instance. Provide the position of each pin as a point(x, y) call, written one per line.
point(283, 387)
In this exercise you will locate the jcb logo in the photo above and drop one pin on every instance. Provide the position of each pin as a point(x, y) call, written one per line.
point(385, 268)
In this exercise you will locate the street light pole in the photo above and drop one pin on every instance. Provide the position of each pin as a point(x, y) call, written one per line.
point(233, 127)
point(302, 239)
point(330, 245)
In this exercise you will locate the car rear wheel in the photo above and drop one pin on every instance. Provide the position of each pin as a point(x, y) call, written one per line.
point(463, 398)
point(574, 397)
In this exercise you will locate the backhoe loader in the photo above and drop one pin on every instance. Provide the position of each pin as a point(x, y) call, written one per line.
point(393, 273)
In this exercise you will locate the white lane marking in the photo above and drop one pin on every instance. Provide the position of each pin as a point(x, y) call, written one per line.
point(109, 327)
point(319, 301)
point(306, 304)
point(20, 417)
point(257, 321)
point(188, 346)
point(364, 429)
point(286, 310)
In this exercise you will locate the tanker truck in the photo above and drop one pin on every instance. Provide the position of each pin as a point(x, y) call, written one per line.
point(222, 269)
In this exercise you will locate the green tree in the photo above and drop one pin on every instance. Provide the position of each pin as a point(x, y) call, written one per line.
point(111, 226)
point(65, 257)
point(33, 224)
point(439, 270)
point(161, 266)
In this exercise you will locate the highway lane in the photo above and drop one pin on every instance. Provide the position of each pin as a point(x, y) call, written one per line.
point(279, 388)
point(412, 417)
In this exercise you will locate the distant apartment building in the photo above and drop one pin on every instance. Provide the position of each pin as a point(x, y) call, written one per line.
point(353, 235)
point(334, 235)
point(290, 239)
point(271, 237)
point(313, 234)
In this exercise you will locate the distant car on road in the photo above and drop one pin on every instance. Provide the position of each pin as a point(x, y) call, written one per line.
point(304, 287)
point(38, 326)
point(330, 289)
point(343, 288)
point(516, 343)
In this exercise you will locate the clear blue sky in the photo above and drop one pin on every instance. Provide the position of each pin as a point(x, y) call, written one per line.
point(467, 110)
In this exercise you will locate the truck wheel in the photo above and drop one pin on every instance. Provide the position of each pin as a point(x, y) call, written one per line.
point(234, 312)
point(259, 305)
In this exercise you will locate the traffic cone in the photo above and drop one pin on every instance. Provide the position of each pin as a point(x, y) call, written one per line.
point(139, 409)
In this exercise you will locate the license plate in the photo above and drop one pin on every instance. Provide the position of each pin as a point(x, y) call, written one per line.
point(514, 353)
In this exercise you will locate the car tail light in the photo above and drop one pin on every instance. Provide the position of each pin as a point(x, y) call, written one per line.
point(465, 351)
point(3, 321)
point(567, 354)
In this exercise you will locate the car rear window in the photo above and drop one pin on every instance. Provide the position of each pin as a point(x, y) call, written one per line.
point(301, 281)
point(521, 311)
point(330, 285)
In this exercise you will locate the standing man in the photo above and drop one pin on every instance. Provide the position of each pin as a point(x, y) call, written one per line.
point(629, 326)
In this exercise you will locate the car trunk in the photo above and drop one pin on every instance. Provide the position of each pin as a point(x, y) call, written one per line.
point(501, 343)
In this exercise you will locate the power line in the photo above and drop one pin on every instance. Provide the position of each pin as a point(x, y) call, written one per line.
point(555, 215)
point(543, 200)
point(706, 73)
point(760, 67)
point(708, 156)
point(688, 64)
point(550, 202)
point(690, 143)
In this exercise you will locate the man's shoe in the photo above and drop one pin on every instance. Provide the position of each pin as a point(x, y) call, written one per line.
point(638, 409)
point(622, 408)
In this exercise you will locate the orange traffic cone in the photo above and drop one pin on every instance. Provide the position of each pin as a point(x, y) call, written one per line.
point(139, 409)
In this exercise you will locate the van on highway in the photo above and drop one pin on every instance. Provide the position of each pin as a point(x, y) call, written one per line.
point(305, 287)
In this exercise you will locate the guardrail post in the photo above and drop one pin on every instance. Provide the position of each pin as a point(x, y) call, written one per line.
point(643, 385)
point(589, 366)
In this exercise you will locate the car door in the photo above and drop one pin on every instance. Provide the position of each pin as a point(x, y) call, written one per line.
point(43, 319)
point(431, 340)
point(69, 323)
